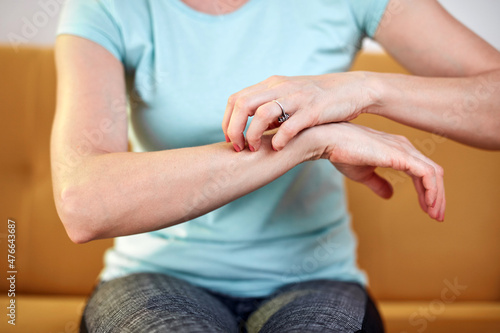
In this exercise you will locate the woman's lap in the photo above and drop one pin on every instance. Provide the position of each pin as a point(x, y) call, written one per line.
point(150, 302)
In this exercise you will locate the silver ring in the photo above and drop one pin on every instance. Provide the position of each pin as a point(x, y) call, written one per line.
point(284, 116)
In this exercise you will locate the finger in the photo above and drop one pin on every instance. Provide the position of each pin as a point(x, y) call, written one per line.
point(443, 208)
point(265, 118)
point(379, 185)
point(244, 104)
point(297, 122)
point(427, 172)
point(438, 171)
point(436, 208)
point(225, 119)
point(433, 185)
point(232, 101)
point(245, 107)
point(440, 175)
point(441, 201)
point(227, 113)
point(417, 181)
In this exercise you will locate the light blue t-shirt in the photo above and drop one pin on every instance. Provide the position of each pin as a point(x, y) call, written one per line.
point(181, 67)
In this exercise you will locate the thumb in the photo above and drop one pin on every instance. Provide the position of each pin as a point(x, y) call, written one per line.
point(378, 185)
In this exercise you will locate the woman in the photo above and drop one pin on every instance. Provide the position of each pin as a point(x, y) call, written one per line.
point(257, 206)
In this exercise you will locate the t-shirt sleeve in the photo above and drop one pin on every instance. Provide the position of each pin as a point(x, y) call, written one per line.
point(368, 14)
point(95, 20)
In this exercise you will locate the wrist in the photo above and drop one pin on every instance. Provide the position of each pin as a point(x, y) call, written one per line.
point(375, 89)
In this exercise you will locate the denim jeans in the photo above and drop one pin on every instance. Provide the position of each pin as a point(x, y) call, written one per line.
point(152, 302)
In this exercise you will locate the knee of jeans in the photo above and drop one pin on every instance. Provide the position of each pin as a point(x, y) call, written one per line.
point(258, 318)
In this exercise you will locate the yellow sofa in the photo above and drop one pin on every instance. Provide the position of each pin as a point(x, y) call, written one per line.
point(426, 276)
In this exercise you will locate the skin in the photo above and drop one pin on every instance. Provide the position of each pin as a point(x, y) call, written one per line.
point(215, 7)
point(102, 191)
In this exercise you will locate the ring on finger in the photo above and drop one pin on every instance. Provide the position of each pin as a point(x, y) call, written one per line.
point(284, 116)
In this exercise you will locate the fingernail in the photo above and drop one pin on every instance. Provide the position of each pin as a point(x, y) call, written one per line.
point(275, 149)
point(227, 138)
point(252, 149)
point(236, 147)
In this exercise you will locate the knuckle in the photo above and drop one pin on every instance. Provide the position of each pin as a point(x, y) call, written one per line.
point(404, 139)
point(429, 169)
point(265, 111)
point(242, 103)
point(312, 119)
point(275, 78)
point(232, 99)
point(232, 133)
point(287, 129)
point(439, 170)
point(302, 94)
point(289, 85)
point(253, 136)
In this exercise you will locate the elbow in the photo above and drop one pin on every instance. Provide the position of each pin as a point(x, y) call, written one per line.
point(76, 233)
point(78, 238)
point(76, 216)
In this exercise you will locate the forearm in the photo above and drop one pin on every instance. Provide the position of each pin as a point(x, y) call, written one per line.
point(117, 194)
point(464, 109)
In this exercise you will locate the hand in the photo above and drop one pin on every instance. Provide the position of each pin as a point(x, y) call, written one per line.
point(357, 150)
point(309, 100)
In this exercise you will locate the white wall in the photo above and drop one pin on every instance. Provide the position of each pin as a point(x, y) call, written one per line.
point(482, 16)
point(29, 21)
point(35, 21)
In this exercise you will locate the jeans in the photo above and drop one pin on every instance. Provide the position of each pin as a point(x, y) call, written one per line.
point(152, 302)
